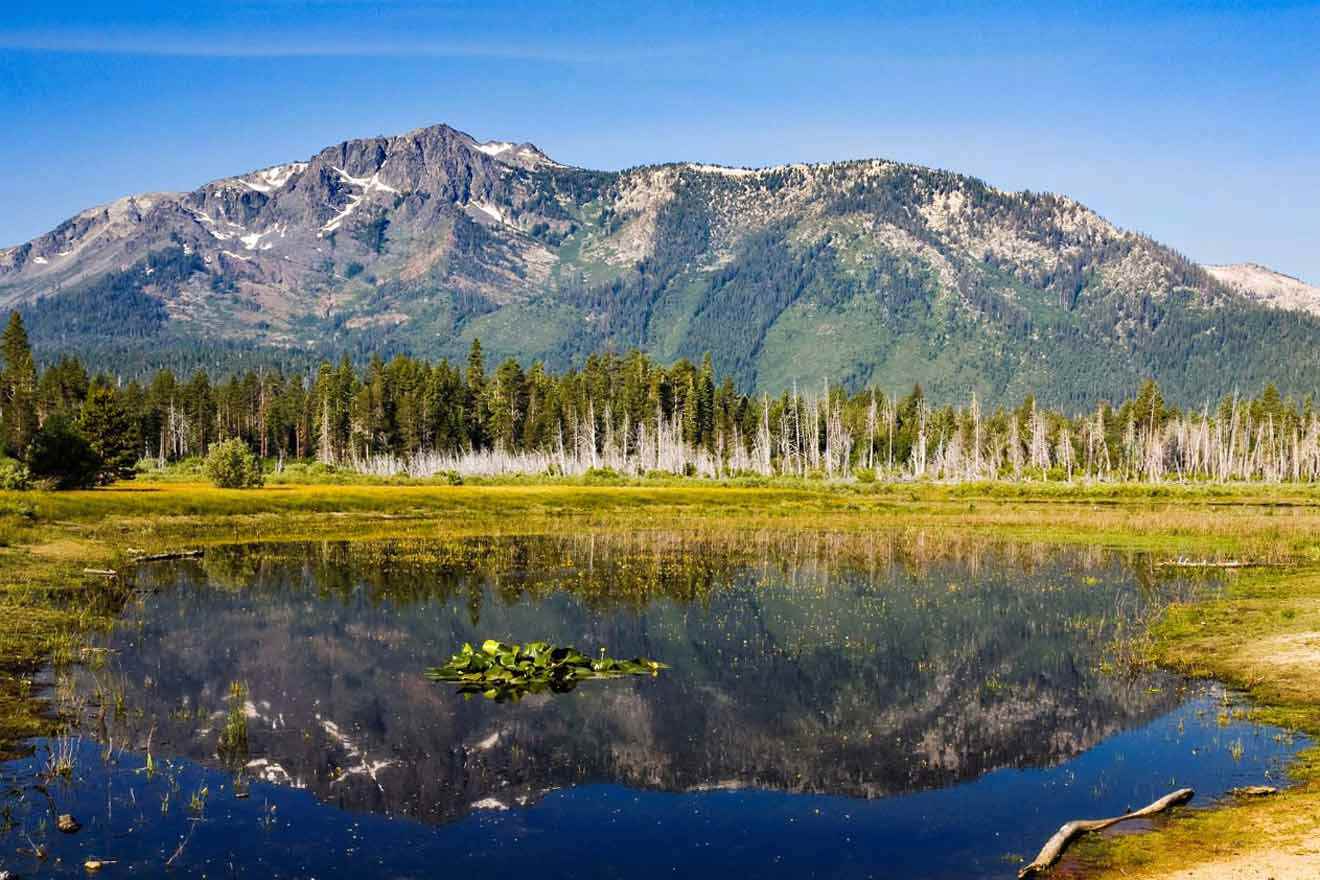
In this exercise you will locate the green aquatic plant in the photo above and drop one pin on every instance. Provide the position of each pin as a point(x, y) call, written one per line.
point(233, 748)
point(503, 672)
point(197, 803)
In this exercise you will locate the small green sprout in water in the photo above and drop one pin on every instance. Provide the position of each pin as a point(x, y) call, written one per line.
point(503, 672)
point(1237, 750)
point(233, 749)
point(197, 803)
point(62, 756)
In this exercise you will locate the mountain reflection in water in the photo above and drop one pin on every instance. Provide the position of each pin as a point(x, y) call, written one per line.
point(859, 665)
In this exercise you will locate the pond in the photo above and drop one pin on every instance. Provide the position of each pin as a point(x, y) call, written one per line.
point(835, 705)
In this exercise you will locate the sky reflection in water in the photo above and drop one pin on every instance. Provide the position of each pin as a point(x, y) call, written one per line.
point(880, 705)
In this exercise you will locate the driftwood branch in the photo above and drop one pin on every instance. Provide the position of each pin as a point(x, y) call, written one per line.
point(1194, 563)
point(161, 557)
point(1055, 846)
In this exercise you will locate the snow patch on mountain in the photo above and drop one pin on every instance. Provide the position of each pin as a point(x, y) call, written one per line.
point(489, 210)
point(368, 185)
point(495, 148)
point(253, 240)
point(274, 178)
point(524, 155)
point(336, 221)
point(210, 224)
point(727, 172)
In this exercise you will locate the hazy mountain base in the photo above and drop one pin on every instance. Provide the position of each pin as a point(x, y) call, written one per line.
point(864, 272)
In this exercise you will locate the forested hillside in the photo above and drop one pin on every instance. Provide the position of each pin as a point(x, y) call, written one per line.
point(617, 415)
point(856, 273)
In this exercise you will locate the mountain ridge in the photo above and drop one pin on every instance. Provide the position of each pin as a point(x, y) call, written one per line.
point(857, 271)
point(1269, 286)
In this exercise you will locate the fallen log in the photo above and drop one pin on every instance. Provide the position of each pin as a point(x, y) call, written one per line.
point(1253, 791)
point(103, 572)
point(161, 557)
point(1192, 563)
point(1055, 846)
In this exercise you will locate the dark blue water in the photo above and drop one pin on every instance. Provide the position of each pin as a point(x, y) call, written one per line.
point(831, 711)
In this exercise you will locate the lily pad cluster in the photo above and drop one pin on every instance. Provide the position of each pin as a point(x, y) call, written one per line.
point(503, 672)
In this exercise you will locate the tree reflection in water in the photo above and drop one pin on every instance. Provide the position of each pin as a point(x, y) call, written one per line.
point(856, 664)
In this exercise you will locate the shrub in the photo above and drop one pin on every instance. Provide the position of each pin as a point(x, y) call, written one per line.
point(14, 475)
point(604, 475)
point(864, 475)
point(231, 465)
point(20, 510)
point(61, 455)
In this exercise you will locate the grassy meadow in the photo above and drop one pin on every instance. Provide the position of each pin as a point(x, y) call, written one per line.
point(1262, 635)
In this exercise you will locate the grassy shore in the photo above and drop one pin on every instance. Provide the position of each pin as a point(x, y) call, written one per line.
point(1263, 636)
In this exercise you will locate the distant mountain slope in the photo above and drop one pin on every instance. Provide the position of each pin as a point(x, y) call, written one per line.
point(1269, 287)
point(860, 272)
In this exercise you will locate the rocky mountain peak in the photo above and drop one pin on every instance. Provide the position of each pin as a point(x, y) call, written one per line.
point(861, 271)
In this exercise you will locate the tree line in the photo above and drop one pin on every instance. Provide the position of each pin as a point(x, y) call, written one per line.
point(620, 411)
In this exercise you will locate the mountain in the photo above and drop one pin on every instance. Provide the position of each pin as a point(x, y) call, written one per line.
point(858, 272)
point(1269, 287)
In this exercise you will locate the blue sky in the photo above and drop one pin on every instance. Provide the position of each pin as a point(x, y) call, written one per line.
point(1197, 123)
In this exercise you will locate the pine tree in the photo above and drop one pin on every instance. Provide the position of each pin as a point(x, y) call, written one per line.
point(105, 423)
point(507, 405)
point(706, 404)
point(477, 414)
point(18, 388)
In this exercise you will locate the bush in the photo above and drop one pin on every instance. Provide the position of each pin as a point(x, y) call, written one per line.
point(864, 475)
point(231, 465)
point(605, 475)
point(16, 510)
point(61, 455)
point(14, 475)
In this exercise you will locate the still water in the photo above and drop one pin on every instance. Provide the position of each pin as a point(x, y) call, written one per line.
point(882, 705)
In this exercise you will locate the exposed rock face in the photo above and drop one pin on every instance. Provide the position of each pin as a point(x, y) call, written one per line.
point(865, 271)
point(1269, 287)
point(281, 237)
